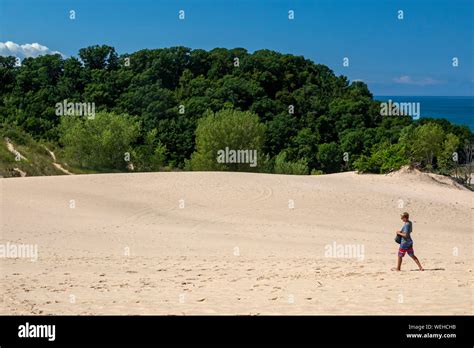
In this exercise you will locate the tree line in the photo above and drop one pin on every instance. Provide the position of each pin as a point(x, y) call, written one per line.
point(175, 108)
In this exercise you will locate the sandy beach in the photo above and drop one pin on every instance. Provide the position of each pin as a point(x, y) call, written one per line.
point(187, 243)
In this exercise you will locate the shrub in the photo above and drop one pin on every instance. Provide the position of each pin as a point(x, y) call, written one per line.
point(151, 155)
point(316, 172)
point(282, 166)
point(15, 134)
point(384, 158)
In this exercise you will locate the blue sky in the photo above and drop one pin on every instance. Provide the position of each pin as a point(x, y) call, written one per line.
point(412, 56)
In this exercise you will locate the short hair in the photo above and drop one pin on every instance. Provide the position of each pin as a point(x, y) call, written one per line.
point(405, 214)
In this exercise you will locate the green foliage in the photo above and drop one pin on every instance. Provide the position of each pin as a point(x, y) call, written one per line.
point(446, 160)
point(15, 134)
point(36, 161)
point(303, 146)
point(151, 155)
point(330, 157)
point(309, 114)
point(7, 74)
point(423, 143)
point(282, 166)
point(99, 57)
point(278, 132)
point(231, 129)
point(317, 172)
point(426, 146)
point(100, 142)
point(384, 158)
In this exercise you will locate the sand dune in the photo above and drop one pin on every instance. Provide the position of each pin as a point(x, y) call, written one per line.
point(234, 243)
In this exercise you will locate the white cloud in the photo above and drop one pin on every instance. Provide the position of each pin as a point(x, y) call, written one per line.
point(408, 80)
point(10, 48)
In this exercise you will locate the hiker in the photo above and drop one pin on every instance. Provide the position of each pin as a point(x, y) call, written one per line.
point(406, 243)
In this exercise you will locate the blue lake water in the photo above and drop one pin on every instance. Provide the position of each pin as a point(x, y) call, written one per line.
point(458, 110)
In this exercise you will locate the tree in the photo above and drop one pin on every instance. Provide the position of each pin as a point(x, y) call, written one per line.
point(448, 158)
point(169, 65)
point(353, 141)
point(177, 135)
point(102, 142)
point(7, 74)
point(228, 130)
point(423, 143)
point(99, 57)
point(330, 157)
point(304, 146)
point(239, 92)
point(222, 63)
point(278, 133)
point(199, 62)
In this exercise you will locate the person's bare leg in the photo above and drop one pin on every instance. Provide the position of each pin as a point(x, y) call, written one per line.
point(399, 263)
point(417, 262)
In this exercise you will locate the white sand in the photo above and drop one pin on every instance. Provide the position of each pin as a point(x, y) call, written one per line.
point(183, 261)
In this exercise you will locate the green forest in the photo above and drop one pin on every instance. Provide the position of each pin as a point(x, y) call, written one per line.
point(175, 108)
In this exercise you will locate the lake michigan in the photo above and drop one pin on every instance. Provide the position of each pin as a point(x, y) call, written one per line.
point(458, 110)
